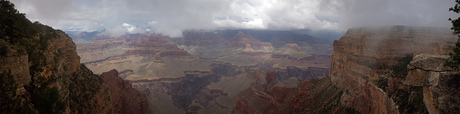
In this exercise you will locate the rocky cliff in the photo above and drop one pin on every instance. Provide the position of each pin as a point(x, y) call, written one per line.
point(41, 71)
point(366, 65)
point(440, 84)
point(124, 98)
point(58, 67)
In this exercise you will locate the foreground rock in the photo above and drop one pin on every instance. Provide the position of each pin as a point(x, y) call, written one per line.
point(74, 82)
point(440, 84)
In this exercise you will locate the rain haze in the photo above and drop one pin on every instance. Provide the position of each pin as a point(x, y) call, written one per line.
point(168, 17)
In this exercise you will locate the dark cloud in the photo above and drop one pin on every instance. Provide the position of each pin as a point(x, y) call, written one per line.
point(357, 13)
point(170, 17)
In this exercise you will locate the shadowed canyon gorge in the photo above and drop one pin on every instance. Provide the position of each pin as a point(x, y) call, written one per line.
point(369, 70)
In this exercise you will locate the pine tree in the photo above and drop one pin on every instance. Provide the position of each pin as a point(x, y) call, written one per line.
point(455, 55)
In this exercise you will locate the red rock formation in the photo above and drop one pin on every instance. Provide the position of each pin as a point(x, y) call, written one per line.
point(125, 99)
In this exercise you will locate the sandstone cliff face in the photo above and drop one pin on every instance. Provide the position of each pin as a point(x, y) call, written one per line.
point(360, 49)
point(78, 89)
point(75, 82)
point(124, 98)
point(440, 84)
point(16, 60)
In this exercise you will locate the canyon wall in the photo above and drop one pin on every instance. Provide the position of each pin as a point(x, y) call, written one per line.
point(357, 56)
point(54, 67)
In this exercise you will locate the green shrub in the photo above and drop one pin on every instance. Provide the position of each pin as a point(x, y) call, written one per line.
point(383, 84)
point(3, 47)
point(7, 92)
point(400, 69)
point(47, 101)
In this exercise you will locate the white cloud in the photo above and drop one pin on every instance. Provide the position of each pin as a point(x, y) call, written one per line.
point(151, 23)
point(170, 17)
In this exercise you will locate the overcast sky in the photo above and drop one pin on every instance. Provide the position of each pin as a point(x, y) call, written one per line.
point(169, 17)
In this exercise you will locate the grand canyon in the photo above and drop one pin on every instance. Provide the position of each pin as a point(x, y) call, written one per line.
point(387, 69)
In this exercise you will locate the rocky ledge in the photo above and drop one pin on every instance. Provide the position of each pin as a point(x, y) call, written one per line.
point(440, 84)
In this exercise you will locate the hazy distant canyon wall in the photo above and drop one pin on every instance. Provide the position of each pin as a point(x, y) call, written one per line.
point(198, 73)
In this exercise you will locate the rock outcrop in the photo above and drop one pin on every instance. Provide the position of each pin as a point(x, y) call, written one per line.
point(41, 71)
point(354, 64)
point(124, 98)
point(75, 82)
point(440, 84)
point(72, 80)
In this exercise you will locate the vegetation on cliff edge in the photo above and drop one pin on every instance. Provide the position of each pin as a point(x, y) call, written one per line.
point(455, 62)
point(409, 99)
point(16, 31)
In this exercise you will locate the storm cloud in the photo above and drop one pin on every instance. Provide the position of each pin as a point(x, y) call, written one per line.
point(170, 17)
